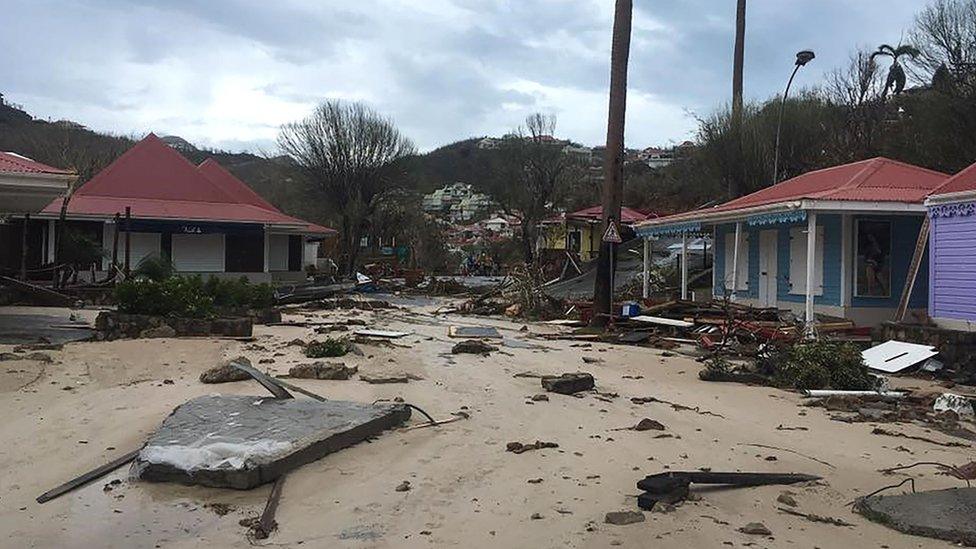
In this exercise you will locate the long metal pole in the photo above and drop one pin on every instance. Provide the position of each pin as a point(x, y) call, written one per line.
point(779, 125)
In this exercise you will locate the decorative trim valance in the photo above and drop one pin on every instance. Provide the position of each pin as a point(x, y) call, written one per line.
point(776, 218)
point(676, 229)
point(959, 209)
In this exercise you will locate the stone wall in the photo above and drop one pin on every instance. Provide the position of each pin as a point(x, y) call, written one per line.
point(957, 349)
point(111, 325)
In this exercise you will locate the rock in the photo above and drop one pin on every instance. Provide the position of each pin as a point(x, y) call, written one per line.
point(519, 448)
point(388, 378)
point(621, 518)
point(266, 361)
point(786, 499)
point(473, 346)
point(568, 384)
point(648, 424)
point(592, 360)
point(225, 373)
point(536, 516)
point(541, 397)
point(163, 330)
point(534, 481)
point(403, 486)
point(297, 342)
point(323, 370)
point(756, 529)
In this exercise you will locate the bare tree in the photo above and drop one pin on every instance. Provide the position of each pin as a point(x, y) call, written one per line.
point(857, 83)
point(349, 154)
point(530, 175)
point(945, 36)
point(737, 178)
point(613, 163)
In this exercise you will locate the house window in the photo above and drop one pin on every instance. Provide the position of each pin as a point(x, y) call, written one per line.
point(574, 240)
point(872, 276)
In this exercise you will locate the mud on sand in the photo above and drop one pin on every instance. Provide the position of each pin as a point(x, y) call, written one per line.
point(96, 401)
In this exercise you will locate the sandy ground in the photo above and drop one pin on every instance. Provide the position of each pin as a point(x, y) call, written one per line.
point(96, 401)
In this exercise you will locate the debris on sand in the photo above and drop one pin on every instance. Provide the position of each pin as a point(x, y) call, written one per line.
point(403, 486)
point(519, 448)
point(541, 397)
point(567, 384)
point(474, 347)
point(786, 498)
point(673, 486)
point(225, 372)
point(756, 529)
point(244, 441)
point(323, 370)
point(298, 342)
point(621, 518)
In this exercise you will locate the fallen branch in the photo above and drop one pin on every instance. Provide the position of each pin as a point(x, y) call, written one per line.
point(820, 461)
point(880, 431)
point(675, 406)
point(956, 472)
point(815, 518)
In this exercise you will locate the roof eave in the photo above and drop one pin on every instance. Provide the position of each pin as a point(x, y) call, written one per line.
point(958, 196)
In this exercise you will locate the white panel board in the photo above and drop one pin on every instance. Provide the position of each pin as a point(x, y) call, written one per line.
point(895, 356)
point(198, 253)
point(278, 252)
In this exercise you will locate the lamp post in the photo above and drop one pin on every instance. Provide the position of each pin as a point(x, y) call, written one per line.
point(802, 58)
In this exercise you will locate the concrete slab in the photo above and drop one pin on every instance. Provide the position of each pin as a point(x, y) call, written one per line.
point(244, 441)
point(27, 328)
point(941, 514)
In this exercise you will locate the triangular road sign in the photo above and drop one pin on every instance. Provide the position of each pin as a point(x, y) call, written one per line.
point(612, 234)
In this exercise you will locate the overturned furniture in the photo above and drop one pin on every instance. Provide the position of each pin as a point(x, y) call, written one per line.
point(245, 441)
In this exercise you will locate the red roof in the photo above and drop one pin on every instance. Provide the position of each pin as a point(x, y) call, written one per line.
point(961, 182)
point(157, 182)
point(15, 163)
point(595, 213)
point(874, 180)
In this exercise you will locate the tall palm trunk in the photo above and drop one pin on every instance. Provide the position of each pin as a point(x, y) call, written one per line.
point(737, 175)
point(613, 163)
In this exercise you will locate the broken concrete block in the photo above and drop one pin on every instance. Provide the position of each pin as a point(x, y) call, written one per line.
point(568, 384)
point(940, 514)
point(474, 347)
point(244, 441)
point(388, 378)
point(224, 372)
point(323, 370)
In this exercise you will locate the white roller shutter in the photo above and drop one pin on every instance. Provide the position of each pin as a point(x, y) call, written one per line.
point(798, 261)
point(278, 253)
point(743, 271)
point(198, 253)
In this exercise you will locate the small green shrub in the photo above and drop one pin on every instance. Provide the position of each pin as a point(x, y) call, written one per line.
point(156, 267)
point(328, 347)
point(176, 296)
point(821, 365)
point(239, 293)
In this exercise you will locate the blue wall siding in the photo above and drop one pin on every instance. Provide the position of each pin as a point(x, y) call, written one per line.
point(751, 237)
point(953, 265)
point(831, 224)
point(904, 235)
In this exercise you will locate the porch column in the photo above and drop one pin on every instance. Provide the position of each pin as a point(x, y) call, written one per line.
point(267, 248)
point(50, 241)
point(684, 266)
point(647, 267)
point(735, 259)
point(811, 273)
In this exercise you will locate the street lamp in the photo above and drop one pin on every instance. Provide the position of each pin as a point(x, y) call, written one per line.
point(802, 58)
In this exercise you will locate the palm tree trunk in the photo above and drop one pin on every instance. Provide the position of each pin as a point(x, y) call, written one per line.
point(737, 176)
point(613, 163)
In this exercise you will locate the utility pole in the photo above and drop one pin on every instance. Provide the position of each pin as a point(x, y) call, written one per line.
point(737, 178)
point(613, 164)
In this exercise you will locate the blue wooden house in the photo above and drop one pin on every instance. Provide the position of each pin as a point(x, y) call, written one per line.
point(836, 241)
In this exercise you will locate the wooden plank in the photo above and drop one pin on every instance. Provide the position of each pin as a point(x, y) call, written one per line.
point(267, 523)
point(906, 294)
point(84, 479)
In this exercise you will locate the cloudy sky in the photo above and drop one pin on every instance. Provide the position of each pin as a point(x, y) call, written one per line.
point(228, 73)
